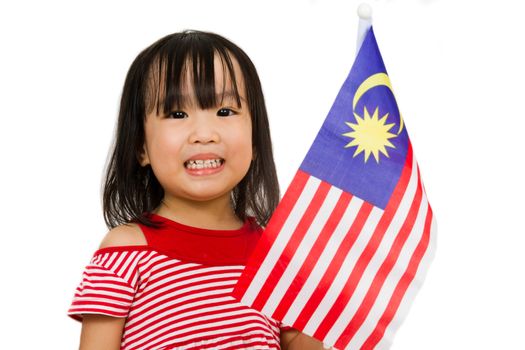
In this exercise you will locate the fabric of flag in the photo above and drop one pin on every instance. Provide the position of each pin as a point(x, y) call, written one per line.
point(349, 244)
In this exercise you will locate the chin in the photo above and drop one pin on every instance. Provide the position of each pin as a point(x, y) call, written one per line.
point(207, 196)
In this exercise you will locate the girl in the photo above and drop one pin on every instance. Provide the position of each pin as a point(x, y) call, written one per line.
point(190, 182)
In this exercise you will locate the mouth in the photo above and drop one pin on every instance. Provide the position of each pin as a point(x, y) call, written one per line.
point(203, 163)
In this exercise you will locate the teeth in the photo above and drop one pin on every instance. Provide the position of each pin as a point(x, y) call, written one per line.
point(203, 164)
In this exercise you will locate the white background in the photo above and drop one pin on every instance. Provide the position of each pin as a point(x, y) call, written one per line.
point(457, 71)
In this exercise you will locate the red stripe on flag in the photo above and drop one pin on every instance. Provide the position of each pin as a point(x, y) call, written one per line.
point(328, 277)
point(270, 234)
point(369, 251)
point(402, 286)
point(291, 247)
point(383, 272)
point(312, 258)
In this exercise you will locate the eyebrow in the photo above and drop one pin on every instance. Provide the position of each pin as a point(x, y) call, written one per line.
point(228, 94)
point(219, 97)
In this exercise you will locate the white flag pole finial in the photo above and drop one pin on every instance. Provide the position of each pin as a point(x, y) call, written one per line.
point(364, 11)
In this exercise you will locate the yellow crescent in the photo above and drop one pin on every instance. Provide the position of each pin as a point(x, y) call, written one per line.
point(378, 79)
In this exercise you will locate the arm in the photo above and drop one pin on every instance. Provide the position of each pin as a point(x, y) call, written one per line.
point(101, 332)
point(295, 340)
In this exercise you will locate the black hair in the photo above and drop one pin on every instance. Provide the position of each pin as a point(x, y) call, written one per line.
point(154, 80)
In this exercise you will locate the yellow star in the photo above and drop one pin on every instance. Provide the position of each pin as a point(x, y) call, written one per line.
point(370, 135)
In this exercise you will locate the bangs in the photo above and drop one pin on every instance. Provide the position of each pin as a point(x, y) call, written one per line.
point(190, 61)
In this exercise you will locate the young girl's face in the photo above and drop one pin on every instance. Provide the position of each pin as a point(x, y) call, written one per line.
point(201, 154)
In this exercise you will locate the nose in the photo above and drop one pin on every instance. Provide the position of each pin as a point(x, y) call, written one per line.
point(204, 129)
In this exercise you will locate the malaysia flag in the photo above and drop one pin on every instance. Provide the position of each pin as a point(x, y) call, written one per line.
point(349, 244)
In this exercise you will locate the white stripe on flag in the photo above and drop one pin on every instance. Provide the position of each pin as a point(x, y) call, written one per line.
point(371, 270)
point(393, 278)
point(303, 250)
point(344, 272)
point(324, 260)
point(282, 239)
point(386, 342)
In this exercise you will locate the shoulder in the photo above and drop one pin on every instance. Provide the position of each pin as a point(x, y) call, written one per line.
point(124, 235)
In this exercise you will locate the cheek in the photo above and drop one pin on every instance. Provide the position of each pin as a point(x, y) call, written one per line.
point(164, 149)
point(243, 144)
point(238, 142)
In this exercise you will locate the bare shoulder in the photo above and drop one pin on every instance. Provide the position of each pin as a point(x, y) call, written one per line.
point(124, 235)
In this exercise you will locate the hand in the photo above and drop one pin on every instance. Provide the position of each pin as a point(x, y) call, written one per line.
point(295, 340)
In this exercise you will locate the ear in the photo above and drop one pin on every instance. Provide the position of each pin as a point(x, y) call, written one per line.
point(143, 157)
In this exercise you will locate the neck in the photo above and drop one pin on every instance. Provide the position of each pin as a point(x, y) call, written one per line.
point(216, 214)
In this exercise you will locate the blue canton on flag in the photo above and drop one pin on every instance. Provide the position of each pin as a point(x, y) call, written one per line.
point(349, 244)
point(329, 160)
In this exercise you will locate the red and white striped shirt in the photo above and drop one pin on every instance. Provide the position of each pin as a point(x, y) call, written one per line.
point(175, 292)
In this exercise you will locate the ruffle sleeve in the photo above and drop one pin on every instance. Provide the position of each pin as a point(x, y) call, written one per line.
point(283, 327)
point(108, 285)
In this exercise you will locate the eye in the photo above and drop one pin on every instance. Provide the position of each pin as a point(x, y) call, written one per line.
point(225, 112)
point(177, 115)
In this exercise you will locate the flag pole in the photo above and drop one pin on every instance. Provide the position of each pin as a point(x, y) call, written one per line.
point(364, 11)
